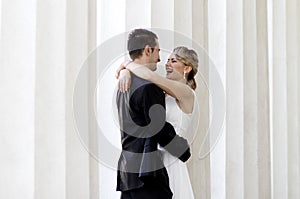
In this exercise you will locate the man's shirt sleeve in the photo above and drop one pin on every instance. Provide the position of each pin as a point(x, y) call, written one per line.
point(154, 108)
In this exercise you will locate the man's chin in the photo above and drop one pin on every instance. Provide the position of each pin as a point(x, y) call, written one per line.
point(153, 67)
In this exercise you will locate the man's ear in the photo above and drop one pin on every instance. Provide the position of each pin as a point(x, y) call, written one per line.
point(148, 50)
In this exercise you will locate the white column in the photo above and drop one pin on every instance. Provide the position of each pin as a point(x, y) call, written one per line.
point(280, 167)
point(162, 20)
point(0, 16)
point(235, 108)
point(298, 89)
point(111, 21)
point(263, 103)
point(138, 14)
point(183, 19)
point(77, 158)
point(17, 90)
point(93, 142)
point(160, 16)
point(197, 30)
point(250, 100)
point(256, 102)
point(217, 53)
point(50, 124)
point(293, 115)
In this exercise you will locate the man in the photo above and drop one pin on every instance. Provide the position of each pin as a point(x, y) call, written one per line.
point(141, 173)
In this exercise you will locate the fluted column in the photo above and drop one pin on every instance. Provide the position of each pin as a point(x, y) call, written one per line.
point(263, 103)
point(293, 112)
point(250, 100)
point(183, 19)
point(249, 152)
point(111, 21)
point(17, 90)
point(197, 29)
point(138, 14)
point(93, 143)
point(256, 102)
point(280, 166)
point(162, 17)
point(235, 99)
point(50, 124)
point(216, 26)
point(162, 20)
point(77, 159)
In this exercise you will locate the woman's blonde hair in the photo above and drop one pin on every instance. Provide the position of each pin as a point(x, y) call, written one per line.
point(189, 58)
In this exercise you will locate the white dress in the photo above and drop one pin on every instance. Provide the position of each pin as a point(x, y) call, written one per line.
point(177, 170)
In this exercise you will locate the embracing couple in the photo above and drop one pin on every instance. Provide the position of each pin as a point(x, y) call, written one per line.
point(156, 116)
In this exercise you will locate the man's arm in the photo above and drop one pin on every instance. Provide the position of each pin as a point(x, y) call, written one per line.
point(166, 135)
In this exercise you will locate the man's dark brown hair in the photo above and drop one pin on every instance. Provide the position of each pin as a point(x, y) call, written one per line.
point(137, 40)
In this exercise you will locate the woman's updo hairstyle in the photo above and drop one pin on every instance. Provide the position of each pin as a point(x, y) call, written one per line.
point(189, 58)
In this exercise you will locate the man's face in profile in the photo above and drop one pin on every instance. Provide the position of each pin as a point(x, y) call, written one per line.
point(154, 56)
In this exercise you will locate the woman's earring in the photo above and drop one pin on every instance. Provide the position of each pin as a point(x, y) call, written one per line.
point(184, 73)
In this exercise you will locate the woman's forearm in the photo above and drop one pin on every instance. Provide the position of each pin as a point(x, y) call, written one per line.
point(176, 89)
point(140, 71)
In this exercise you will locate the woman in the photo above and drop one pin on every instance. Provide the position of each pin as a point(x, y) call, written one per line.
point(181, 107)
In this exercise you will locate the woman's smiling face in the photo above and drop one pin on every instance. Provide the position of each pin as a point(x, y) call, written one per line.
point(174, 68)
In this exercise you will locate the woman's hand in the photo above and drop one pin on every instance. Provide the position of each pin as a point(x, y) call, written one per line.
point(124, 80)
point(121, 67)
point(123, 76)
